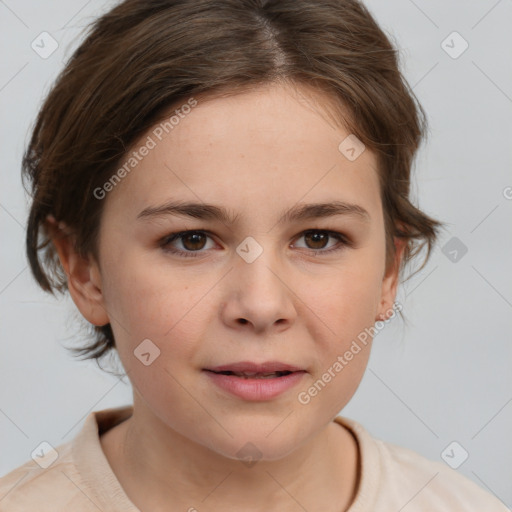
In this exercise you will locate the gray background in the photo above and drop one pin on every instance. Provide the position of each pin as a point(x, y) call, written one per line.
point(445, 377)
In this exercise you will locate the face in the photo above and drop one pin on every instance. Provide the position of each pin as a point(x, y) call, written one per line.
point(253, 287)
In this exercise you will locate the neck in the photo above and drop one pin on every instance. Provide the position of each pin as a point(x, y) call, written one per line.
point(157, 466)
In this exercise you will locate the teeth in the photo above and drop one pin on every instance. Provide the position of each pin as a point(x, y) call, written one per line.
point(256, 375)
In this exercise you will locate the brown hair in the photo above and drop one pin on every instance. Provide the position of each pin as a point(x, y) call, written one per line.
point(144, 57)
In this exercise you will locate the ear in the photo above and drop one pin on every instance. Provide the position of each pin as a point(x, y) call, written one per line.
point(83, 274)
point(390, 281)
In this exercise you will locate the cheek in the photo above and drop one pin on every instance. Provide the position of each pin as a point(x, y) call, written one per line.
point(167, 312)
point(342, 340)
point(144, 302)
point(346, 300)
point(346, 308)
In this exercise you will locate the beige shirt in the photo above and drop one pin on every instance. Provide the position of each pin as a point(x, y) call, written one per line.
point(80, 479)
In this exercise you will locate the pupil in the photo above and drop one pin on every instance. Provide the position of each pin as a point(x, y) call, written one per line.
point(196, 237)
point(318, 237)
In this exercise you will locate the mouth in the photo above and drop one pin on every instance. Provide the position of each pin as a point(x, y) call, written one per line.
point(254, 375)
point(250, 370)
point(256, 382)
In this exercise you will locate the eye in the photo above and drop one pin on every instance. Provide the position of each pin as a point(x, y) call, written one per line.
point(194, 241)
point(317, 240)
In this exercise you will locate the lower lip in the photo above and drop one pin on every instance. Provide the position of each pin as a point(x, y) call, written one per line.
point(256, 389)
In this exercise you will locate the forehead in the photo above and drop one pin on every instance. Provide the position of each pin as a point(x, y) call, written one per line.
point(270, 147)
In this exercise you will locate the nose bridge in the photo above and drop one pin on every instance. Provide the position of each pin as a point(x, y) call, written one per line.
point(258, 261)
point(260, 293)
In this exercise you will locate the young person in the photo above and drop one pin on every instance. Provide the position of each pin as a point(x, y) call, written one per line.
point(223, 189)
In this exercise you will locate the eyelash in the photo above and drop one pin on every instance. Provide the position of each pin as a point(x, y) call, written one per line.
point(167, 240)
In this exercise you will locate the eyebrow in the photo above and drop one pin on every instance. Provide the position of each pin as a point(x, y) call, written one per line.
point(298, 212)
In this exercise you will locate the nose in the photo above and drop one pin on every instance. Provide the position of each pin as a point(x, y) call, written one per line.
point(258, 294)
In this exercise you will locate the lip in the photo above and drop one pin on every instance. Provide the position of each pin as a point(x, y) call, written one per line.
point(253, 388)
point(249, 366)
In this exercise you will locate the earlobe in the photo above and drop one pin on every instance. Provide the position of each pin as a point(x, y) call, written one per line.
point(83, 276)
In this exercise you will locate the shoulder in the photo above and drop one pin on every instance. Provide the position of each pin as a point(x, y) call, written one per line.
point(33, 486)
point(433, 483)
point(72, 476)
point(393, 477)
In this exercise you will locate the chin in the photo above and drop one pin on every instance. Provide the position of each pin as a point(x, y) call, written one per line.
point(249, 446)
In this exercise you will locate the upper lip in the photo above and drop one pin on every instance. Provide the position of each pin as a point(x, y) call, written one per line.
point(248, 366)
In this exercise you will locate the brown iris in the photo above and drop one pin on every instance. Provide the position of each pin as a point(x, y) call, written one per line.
point(317, 238)
point(195, 239)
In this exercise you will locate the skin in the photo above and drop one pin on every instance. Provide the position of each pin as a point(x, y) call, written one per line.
point(257, 154)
